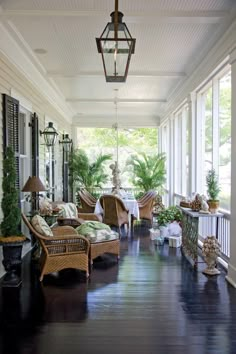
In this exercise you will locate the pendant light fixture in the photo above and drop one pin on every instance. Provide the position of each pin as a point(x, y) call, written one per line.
point(116, 46)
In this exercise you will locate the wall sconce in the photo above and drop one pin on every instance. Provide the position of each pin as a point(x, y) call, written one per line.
point(116, 46)
point(50, 135)
point(66, 142)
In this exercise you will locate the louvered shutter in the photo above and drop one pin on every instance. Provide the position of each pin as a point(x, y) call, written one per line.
point(11, 129)
point(35, 145)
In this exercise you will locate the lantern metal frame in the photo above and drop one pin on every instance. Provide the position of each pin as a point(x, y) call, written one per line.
point(50, 135)
point(114, 46)
point(66, 142)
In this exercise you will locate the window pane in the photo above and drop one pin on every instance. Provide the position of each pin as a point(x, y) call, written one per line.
point(225, 140)
point(187, 142)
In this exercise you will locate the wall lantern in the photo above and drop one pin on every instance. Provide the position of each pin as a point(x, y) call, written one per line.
point(66, 142)
point(116, 46)
point(50, 135)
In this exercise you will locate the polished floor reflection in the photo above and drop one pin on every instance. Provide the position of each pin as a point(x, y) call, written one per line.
point(151, 302)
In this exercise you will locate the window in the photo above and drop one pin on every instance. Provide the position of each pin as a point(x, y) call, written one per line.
point(225, 140)
point(215, 114)
point(208, 125)
point(181, 152)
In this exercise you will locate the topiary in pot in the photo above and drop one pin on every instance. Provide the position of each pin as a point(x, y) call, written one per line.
point(213, 191)
point(11, 237)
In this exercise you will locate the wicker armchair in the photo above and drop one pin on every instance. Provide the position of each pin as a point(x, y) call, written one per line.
point(114, 211)
point(87, 205)
point(89, 196)
point(145, 197)
point(146, 207)
point(65, 249)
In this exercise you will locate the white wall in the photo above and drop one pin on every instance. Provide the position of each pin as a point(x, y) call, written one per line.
point(11, 80)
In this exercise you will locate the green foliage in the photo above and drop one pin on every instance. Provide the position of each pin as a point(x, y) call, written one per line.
point(164, 217)
point(126, 137)
point(176, 213)
point(213, 188)
point(168, 215)
point(148, 171)
point(87, 174)
point(10, 225)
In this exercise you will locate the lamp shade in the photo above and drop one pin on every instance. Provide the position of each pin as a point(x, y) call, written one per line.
point(33, 184)
point(116, 46)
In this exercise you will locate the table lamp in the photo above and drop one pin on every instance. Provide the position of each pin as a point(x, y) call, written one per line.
point(34, 185)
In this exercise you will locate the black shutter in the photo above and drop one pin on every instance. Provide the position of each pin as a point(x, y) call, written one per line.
point(35, 144)
point(11, 129)
point(71, 190)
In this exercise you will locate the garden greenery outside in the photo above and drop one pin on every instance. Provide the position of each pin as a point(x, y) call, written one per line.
point(96, 141)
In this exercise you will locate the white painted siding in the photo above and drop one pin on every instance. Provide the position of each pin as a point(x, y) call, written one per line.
point(11, 78)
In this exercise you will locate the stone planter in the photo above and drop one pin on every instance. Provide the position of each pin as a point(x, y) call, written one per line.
point(210, 251)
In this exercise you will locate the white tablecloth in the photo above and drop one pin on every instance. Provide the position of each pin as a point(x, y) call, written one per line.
point(130, 204)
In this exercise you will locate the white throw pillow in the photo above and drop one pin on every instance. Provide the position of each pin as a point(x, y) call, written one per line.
point(41, 226)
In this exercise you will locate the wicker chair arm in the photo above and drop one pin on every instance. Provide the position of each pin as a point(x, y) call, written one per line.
point(90, 216)
point(68, 244)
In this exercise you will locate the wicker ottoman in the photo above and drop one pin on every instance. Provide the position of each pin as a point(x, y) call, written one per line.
point(108, 246)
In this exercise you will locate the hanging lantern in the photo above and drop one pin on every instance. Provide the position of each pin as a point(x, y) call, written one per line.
point(116, 46)
point(50, 135)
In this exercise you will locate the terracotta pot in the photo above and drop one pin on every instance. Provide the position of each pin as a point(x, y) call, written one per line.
point(213, 206)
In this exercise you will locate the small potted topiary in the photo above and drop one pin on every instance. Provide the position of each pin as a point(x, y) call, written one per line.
point(11, 237)
point(213, 191)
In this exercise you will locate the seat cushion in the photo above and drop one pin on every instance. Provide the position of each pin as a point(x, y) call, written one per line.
point(96, 231)
point(41, 226)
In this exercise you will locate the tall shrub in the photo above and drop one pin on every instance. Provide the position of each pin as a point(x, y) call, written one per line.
point(10, 225)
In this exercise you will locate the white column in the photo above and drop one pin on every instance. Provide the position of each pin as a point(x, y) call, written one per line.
point(171, 160)
point(231, 277)
point(192, 144)
point(159, 146)
point(74, 137)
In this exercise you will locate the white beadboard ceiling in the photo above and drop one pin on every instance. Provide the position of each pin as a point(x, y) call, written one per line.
point(171, 36)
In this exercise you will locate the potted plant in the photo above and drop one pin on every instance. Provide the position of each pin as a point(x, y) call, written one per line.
point(87, 174)
point(11, 237)
point(163, 219)
point(149, 171)
point(213, 191)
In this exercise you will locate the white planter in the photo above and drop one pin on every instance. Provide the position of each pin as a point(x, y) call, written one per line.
point(164, 231)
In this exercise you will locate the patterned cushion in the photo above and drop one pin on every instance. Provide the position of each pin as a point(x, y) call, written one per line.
point(41, 226)
point(68, 210)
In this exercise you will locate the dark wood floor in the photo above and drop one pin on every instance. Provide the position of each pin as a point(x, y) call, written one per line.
point(152, 302)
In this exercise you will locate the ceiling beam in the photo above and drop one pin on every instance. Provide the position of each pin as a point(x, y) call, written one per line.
point(131, 17)
point(107, 121)
point(58, 74)
point(118, 100)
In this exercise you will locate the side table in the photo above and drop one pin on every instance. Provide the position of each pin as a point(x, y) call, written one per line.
point(190, 225)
